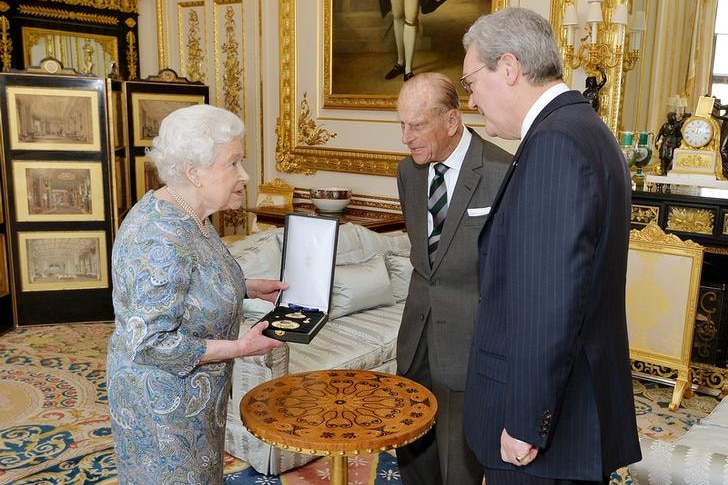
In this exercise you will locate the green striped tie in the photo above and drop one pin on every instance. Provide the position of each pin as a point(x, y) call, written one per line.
point(437, 205)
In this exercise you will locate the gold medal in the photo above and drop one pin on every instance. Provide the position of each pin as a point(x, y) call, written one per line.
point(295, 315)
point(287, 324)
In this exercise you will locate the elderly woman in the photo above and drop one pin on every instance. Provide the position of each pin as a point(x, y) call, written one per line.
point(178, 296)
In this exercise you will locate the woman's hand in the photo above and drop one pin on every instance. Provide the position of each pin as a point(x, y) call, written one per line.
point(253, 342)
point(264, 289)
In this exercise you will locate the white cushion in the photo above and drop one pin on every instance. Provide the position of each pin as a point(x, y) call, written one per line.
point(719, 415)
point(360, 286)
point(332, 350)
point(259, 255)
point(711, 438)
point(377, 326)
point(400, 272)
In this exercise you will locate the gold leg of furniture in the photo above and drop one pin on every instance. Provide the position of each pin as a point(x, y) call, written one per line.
point(681, 384)
point(339, 470)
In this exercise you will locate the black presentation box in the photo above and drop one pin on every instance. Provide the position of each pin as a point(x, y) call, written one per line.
point(309, 258)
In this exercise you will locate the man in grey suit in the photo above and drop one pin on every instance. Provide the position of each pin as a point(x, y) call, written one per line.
point(549, 395)
point(438, 317)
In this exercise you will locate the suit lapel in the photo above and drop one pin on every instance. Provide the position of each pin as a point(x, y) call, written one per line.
point(419, 221)
point(467, 182)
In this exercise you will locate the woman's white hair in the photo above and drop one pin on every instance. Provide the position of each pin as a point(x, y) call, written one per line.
point(190, 136)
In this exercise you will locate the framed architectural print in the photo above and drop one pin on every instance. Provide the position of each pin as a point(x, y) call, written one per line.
point(61, 260)
point(148, 111)
point(58, 191)
point(45, 118)
point(146, 103)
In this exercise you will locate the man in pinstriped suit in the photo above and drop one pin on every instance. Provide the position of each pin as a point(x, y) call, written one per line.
point(548, 398)
point(438, 318)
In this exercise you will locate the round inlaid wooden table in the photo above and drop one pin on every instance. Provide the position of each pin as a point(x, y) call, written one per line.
point(338, 413)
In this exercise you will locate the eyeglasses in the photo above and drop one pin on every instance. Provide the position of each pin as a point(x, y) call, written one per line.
point(465, 84)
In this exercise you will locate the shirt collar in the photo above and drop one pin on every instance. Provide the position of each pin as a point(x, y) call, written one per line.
point(536, 108)
point(455, 160)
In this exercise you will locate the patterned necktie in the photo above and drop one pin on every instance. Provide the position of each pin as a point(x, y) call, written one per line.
point(437, 205)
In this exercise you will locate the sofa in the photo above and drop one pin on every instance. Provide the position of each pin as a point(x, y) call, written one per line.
point(699, 457)
point(371, 280)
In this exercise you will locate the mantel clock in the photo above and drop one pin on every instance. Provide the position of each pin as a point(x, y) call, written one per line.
point(698, 153)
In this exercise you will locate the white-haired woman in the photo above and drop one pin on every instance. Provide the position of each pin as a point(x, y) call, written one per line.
point(178, 296)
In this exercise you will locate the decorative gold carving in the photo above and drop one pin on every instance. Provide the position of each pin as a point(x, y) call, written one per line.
point(610, 56)
point(4, 7)
point(652, 233)
point(89, 18)
point(121, 5)
point(130, 22)
point(194, 49)
point(644, 214)
point(132, 55)
point(707, 377)
point(697, 221)
point(696, 161)
point(725, 219)
point(6, 44)
point(308, 132)
point(232, 75)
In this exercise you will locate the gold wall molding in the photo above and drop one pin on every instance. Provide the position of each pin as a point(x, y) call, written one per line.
point(129, 6)
point(132, 55)
point(6, 44)
point(54, 13)
point(233, 71)
point(308, 132)
point(653, 234)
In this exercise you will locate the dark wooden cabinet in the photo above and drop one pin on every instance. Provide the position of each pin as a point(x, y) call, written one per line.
point(701, 215)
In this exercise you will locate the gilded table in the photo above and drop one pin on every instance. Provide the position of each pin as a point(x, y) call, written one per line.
point(338, 413)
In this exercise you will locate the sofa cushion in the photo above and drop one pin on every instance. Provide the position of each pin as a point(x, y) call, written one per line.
point(332, 350)
point(259, 255)
point(703, 437)
point(718, 416)
point(360, 286)
point(666, 462)
point(400, 271)
point(377, 326)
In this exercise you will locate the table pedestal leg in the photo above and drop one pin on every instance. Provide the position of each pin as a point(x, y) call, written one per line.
point(339, 470)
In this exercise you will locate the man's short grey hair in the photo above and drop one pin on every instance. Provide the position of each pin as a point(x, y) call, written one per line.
point(443, 95)
point(523, 33)
point(190, 136)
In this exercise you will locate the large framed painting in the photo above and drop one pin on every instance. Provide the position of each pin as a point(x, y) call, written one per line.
point(147, 177)
point(58, 191)
point(55, 261)
point(333, 86)
point(43, 118)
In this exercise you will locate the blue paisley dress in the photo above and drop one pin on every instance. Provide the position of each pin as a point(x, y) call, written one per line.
point(173, 289)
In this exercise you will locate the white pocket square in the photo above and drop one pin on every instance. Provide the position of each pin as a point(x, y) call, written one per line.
point(478, 211)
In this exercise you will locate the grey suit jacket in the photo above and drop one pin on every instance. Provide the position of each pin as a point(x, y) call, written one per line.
point(447, 293)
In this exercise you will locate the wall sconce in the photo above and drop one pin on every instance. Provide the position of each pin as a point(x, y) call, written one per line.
point(608, 30)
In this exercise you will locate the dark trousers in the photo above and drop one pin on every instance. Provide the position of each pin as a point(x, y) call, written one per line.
point(517, 477)
point(441, 457)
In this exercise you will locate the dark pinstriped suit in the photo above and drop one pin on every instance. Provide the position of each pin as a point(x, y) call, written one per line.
point(549, 361)
point(439, 316)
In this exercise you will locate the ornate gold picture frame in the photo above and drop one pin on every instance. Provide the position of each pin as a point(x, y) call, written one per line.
point(300, 139)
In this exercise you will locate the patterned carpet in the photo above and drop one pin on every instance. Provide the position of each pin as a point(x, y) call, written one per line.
point(54, 423)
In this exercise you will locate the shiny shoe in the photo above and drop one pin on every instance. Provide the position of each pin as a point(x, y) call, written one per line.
point(396, 71)
point(408, 76)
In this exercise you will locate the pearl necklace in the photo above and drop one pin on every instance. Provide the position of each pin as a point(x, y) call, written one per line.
point(191, 212)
